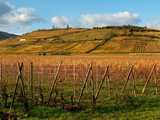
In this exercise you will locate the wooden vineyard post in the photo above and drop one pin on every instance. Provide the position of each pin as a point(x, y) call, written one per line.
point(97, 76)
point(90, 81)
point(65, 73)
point(93, 83)
point(19, 77)
point(128, 78)
point(101, 84)
point(156, 82)
point(3, 87)
point(148, 78)
point(54, 83)
point(74, 87)
point(108, 80)
point(85, 82)
point(134, 84)
point(31, 79)
point(41, 91)
point(1, 77)
point(93, 89)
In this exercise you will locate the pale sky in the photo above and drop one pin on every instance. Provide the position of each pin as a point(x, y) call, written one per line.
point(21, 16)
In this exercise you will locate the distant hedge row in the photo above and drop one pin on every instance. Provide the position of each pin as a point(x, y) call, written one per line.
point(130, 27)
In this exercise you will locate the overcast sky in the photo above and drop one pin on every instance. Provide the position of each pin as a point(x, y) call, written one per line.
point(21, 16)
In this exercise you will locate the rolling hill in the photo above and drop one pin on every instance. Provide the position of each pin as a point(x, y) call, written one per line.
point(4, 35)
point(104, 40)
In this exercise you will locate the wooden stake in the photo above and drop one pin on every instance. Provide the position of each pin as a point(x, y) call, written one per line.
point(41, 91)
point(1, 77)
point(20, 66)
point(108, 82)
point(128, 77)
point(148, 78)
point(84, 85)
point(156, 82)
point(134, 84)
point(31, 79)
point(54, 83)
point(74, 89)
point(21, 78)
point(93, 89)
point(87, 84)
point(101, 84)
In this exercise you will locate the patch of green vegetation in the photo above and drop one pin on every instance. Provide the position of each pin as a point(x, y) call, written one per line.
point(45, 112)
point(124, 107)
point(61, 53)
point(108, 108)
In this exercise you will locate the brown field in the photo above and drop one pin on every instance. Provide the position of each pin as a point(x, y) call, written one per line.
point(137, 59)
point(119, 64)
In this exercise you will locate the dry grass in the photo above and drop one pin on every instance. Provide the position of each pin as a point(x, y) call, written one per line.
point(79, 41)
point(116, 61)
point(143, 59)
point(42, 34)
point(119, 64)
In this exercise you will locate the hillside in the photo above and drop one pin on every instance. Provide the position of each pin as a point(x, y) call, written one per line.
point(123, 39)
point(4, 35)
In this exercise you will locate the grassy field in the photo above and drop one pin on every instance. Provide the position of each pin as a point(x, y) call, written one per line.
point(133, 108)
point(113, 101)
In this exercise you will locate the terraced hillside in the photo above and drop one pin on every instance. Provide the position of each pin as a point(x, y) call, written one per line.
point(123, 39)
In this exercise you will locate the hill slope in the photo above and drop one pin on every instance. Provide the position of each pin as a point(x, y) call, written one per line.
point(125, 39)
point(4, 35)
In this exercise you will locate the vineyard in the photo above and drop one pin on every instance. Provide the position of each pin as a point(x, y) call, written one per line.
point(75, 83)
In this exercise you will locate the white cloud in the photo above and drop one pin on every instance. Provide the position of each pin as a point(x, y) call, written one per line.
point(22, 16)
point(60, 21)
point(12, 17)
point(120, 18)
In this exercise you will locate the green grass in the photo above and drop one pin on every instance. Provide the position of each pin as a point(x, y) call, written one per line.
point(146, 108)
point(121, 108)
point(117, 106)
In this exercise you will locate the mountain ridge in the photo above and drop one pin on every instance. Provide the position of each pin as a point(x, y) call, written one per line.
point(5, 35)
